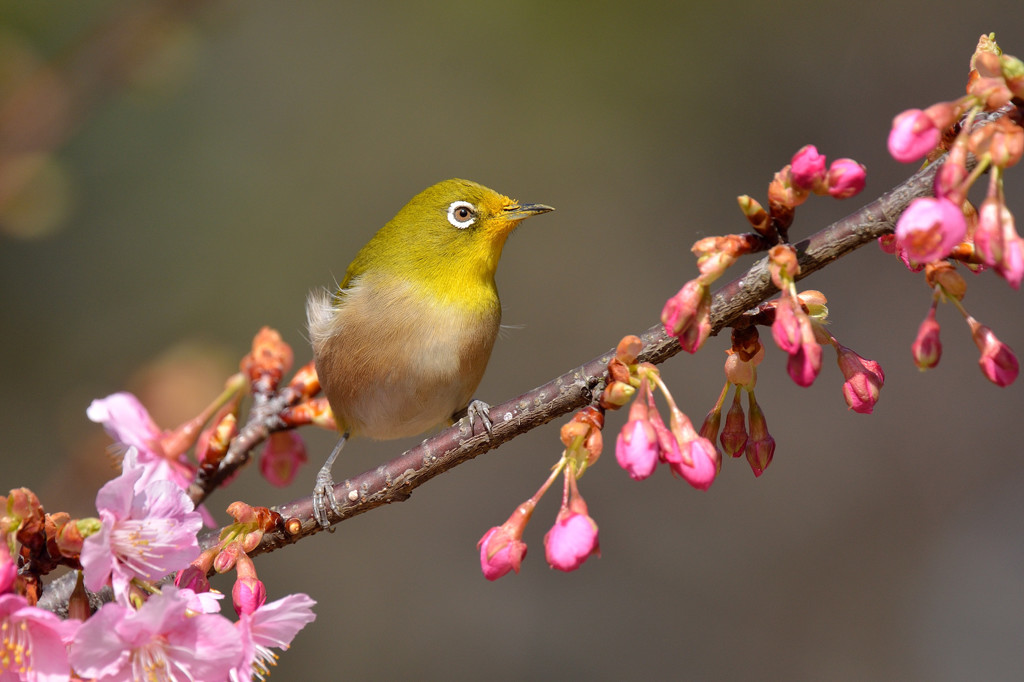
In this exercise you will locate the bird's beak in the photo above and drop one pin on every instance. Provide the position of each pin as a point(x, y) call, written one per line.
point(517, 212)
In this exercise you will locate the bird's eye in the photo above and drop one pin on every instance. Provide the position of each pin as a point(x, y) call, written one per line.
point(461, 214)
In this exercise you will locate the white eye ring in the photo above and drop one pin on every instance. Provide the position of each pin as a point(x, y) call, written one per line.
point(459, 209)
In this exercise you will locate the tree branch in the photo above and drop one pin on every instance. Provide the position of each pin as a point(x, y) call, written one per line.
point(394, 481)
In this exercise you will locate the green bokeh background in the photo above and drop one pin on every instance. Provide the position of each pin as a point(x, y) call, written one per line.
point(206, 203)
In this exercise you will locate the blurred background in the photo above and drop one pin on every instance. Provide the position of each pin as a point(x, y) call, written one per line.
point(176, 175)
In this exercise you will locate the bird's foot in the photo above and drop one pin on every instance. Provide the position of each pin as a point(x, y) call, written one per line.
point(323, 497)
point(478, 409)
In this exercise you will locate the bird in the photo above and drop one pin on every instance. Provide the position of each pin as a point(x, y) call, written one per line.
point(401, 345)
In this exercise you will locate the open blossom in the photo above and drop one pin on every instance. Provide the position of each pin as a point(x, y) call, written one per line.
point(913, 135)
point(162, 640)
point(127, 421)
point(929, 229)
point(271, 626)
point(147, 531)
point(33, 642)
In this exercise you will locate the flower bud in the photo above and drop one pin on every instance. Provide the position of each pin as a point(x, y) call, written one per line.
point(913, 135)
point(636, 449)
point(760, 444)
point(784, 195)
point(755, 214)
point(616, 395)
point(686, 315)
point(706, 463)
point(8, 569)
point(927, 348)
point(950, 179)
point(997, 241)
point(783, 265)
point(807, 169)
point(734, 435)
point(864, 379)
point(501, 548)
point(249, 592)
point(997, 361)
point(269, 359)
point(571, 540)
point(628, 349)
point(846, 178)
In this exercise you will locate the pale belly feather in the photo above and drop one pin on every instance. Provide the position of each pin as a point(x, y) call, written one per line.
point(394, 362)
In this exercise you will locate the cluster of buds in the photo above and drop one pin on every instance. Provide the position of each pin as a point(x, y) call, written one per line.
point(231, 552)
point(947, 225)
point(997, 361)
point(935, 233)
point(743, 433)
point(686, 315)
point(797, 322)
point(645, 439)
point(38, 541)
point(574, 536)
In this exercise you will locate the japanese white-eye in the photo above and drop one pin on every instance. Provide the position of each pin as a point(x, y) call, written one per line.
point(403, 342)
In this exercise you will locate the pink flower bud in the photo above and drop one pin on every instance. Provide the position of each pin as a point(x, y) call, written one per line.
point(927, 348)
point(846, 178)
point(913, 135)
point(734, 435)
point(705, 458)
point(997, 241)
point(8, 569)
point(864, 379)
point(636, 448)
point(804, 365)
point(997, 361)
point(786, 326)
point(760, 444)
point(248, 594)
point(686, 315)
point(807, 169)
point(794, 333)
point(949, 180)
point(192, 577)
point(929, 229)
point(500, 552)
point(571, 540)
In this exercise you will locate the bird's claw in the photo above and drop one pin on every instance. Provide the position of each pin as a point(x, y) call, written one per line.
point(323, 496)
point(479, 409)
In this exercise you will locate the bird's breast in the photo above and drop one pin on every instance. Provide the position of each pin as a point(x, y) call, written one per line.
point(394, 360)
